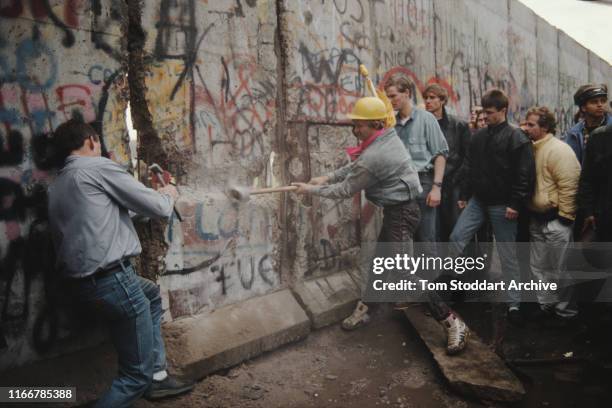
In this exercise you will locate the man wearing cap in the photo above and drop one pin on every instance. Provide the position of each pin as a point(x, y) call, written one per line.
point(592, 100)
point(381, 166)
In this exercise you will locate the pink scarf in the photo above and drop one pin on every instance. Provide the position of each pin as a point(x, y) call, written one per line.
point(355, 152)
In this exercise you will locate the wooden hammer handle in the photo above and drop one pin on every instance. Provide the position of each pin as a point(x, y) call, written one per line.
point(273, 190)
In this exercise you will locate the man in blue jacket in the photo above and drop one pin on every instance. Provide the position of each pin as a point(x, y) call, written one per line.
point(592, 101)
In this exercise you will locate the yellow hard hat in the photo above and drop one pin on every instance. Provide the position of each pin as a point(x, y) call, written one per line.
point(369, 108)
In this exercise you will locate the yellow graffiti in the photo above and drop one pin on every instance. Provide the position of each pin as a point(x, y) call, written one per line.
point(169, 107)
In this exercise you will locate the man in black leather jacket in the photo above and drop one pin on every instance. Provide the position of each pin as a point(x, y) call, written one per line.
point(594, 200)
point(499, 179)
point(594, 196)
point(457, 134)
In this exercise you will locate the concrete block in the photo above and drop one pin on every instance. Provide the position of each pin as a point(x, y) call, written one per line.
point(476, 372)
point(201, 345)
point(327, 299)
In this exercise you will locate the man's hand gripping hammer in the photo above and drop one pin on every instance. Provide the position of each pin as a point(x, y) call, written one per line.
point(156, 168)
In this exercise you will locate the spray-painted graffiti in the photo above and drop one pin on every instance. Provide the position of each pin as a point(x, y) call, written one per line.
point(67, 18)
point(224, 253)
point(42, 11)
point(331, 228)
point(108, 18)
point(25, 250)
point(235, 120)
point(178, 37)
point(337, 231)
point(329, 85)
point(568, 84)
point(226, 113)
point(28, 257)
point(48, 74)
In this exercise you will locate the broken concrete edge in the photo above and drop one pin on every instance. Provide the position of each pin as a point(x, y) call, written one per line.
point(327, 299)
point(486, 393)
point(153, 146)
point(258, 325)
point(198, 370)
point(202, 345)
point(477, 372)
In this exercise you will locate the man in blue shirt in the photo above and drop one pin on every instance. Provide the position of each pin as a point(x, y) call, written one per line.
point(427, 146)
point(89, 204)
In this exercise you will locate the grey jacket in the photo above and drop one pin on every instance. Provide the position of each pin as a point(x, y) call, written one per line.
point(88, 214)
point(384, 170)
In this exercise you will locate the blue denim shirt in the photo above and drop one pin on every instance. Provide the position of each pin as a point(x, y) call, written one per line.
point(423, 138)
point(574, 137)
point(88, 214)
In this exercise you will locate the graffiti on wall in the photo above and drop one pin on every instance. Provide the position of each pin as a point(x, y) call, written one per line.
point(330, 83)
point(331, 228)
point(225, 253)
point(325, 53)
point(236, 118)
point(40, 87)
point(210, 90)
point(224, 115)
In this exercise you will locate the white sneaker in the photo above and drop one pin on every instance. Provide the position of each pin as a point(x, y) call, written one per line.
point(359, 317)
point(457, 334)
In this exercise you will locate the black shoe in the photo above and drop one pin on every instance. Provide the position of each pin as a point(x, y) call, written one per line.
point(541, 315)
point(558, 322)
point(168, 387)
point(514, 317)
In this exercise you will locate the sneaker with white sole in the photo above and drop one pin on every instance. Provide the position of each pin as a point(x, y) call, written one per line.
point(457, 334)
point(359, 317)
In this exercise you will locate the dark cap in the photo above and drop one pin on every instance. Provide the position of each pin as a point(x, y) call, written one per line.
point(586, 92)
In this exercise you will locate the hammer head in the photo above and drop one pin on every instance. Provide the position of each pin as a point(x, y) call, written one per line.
point(239, 193)
point(156, 168)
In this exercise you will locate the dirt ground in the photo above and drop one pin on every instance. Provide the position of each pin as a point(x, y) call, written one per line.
point(386, 364)
point(382, 364)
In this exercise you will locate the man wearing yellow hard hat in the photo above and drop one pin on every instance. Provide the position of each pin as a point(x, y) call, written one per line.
point(382, 167)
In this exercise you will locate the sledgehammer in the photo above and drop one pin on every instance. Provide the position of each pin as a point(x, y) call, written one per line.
point(156, 168)
point(245, 193)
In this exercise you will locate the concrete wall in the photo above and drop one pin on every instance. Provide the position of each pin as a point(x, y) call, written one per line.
point(245, 92)
point(211, 90)
point(572, 73)
point(324, 44)
point(57, 60)
point(547, 54)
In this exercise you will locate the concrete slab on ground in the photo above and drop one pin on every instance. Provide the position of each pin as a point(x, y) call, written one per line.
point(476, 372)
point(201, 345)
point(327, 299)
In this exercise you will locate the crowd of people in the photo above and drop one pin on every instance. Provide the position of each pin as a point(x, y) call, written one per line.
point(438, 179)
point(479, 180)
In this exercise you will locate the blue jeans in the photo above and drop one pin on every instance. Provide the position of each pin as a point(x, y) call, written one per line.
point(504, 231)
point(131, 305)
point(426, 235)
